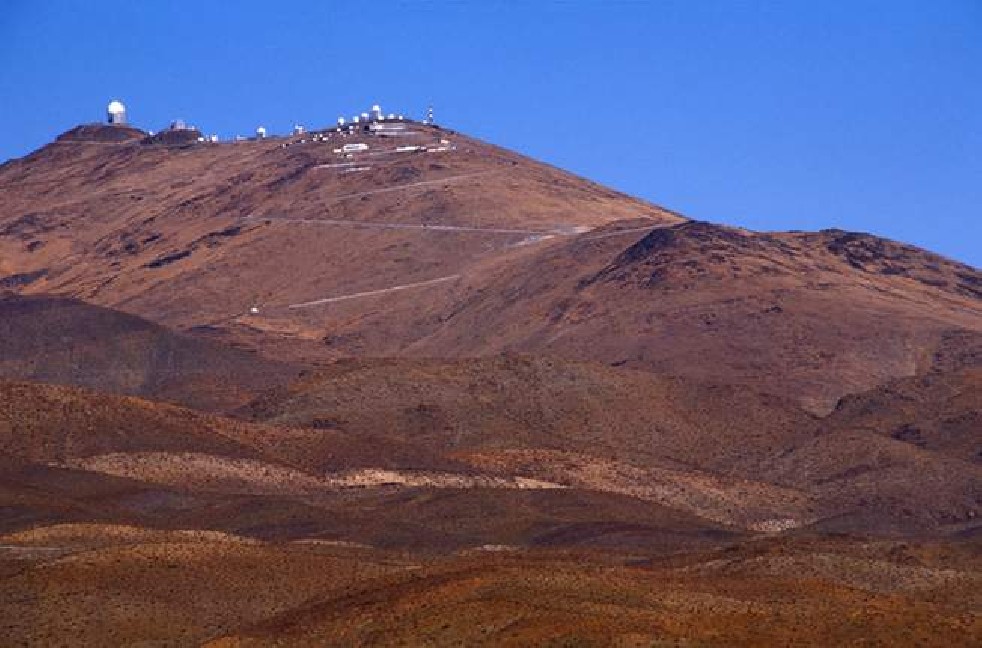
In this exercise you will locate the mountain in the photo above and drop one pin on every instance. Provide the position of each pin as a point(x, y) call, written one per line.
point(464, 249)
point(195, 234)
point(940, 412)
point(807, 316)
point(406, 386)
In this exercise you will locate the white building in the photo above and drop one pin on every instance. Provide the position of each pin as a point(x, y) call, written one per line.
point(116, 112)
point(390, 129)
point(261, 133)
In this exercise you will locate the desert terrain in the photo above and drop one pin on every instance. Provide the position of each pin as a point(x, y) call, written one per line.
point(265, 392)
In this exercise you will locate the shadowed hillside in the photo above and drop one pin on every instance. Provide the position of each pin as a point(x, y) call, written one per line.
point(59, 340)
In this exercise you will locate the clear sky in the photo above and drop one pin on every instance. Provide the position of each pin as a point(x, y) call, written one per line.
point(859, 114)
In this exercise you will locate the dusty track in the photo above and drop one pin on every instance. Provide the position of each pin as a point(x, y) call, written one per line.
point(570, 230)
point(372, 293)
point(423, 183)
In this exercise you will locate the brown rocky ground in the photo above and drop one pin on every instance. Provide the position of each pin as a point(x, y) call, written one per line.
point(807, 316)
point(194, 235)
point(105, 585)
point(492, 404)
point(61, 340)
point(487, 251)
point(75, 455)
point(718, 451)
point(940, 412)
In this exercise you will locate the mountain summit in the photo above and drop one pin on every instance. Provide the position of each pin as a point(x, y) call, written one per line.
point(421, 240)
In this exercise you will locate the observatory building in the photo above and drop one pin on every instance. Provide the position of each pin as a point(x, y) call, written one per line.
point(374, 121)
point(116, 112)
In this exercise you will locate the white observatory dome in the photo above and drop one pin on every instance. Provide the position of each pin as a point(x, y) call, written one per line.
point(116, 112)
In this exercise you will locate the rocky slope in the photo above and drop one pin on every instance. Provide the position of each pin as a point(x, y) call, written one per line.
point(798, 315)
point(460, 250)
point(62, 340)
point(459, 396)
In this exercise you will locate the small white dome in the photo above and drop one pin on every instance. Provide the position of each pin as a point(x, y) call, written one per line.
point(116, 107)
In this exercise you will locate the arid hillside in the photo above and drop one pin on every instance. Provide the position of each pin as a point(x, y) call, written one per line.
point(420, 390)
point(940, 412)
point(194, 234)
point(722, 452)
point(74, 455)
point(193, 528)
point(376, 438)
point(435, 244)
point(806, 316)
point(61, 340)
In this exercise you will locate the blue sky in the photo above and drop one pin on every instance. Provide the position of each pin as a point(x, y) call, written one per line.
point(859, 114)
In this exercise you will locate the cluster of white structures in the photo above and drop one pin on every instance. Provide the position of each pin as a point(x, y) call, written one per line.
point(373, 122)
point(373, 116)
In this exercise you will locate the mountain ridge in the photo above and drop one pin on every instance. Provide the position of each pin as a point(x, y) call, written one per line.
point(430, 391)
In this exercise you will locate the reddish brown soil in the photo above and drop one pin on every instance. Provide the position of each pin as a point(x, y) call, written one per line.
point(194, 236)
point(793, 314)
point(125, 586)
point(532, 410)
point(162, 231)
point(66, 341)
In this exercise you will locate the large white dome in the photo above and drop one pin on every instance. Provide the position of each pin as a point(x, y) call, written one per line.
point(116, 107)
